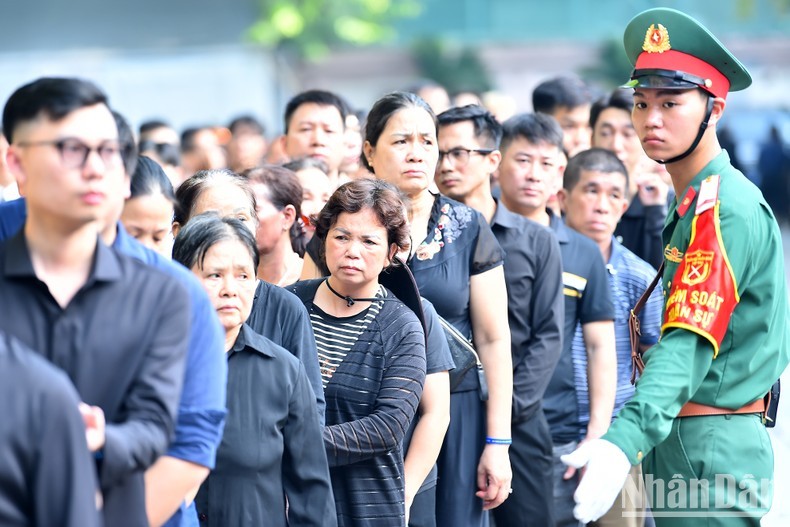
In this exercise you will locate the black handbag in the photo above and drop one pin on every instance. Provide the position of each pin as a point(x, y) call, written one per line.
point(465, 358)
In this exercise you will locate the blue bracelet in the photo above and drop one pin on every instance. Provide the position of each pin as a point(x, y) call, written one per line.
point(498, 441)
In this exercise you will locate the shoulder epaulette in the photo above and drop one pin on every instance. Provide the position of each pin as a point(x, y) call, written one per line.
point(708, 194)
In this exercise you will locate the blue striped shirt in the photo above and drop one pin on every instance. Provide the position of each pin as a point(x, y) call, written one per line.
point(629, 276)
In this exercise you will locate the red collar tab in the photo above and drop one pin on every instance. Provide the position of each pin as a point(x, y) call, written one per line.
point(714, 83)
point(686, 202)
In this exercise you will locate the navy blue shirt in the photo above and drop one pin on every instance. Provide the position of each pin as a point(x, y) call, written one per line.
point(201, 410)
point(587, 299)
point(12, 217)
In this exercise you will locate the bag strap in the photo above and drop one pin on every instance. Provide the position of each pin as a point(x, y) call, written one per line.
point(634, 331)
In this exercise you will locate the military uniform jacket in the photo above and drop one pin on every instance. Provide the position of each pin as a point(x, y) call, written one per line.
point(724, 339)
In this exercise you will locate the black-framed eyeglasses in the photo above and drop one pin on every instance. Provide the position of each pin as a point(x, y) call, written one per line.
point(459, 157)
point(74, 153)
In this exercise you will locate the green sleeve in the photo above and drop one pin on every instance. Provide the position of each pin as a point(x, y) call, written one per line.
point(674, 370)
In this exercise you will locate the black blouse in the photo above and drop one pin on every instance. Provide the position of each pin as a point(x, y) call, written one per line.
point(459, 244)
point(272, 448)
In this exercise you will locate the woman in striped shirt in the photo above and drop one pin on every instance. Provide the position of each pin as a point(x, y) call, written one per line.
point(371, 350)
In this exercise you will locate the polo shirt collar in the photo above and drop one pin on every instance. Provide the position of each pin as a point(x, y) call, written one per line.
point(617, 253)
point(105, 267)
point(251, 341)
point(558, 226)
point(504, 217)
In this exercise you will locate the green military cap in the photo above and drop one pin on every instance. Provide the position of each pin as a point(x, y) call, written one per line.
point(671, 50)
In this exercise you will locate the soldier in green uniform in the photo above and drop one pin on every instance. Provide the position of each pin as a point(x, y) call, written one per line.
point(697, 416)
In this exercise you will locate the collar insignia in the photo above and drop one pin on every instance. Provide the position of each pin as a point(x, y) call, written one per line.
point(673, 254)
point(684, 205)
point(656, 39)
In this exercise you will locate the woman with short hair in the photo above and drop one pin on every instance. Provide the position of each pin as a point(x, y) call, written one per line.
point(371, 349)
point(271, 449)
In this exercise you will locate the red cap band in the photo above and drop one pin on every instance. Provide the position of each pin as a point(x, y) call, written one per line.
point(678, 61)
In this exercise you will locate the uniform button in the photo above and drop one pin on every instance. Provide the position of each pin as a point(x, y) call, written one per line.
point(669, 284)
point(202, 517)
point(639, 456)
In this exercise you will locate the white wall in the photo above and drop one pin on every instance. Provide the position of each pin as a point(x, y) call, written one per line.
point(191, 86)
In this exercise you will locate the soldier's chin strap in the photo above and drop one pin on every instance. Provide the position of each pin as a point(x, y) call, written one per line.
point(702, 128)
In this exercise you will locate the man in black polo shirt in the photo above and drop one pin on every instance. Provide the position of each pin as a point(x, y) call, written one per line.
point(468, 151)
point(529, 173)
point(117, 328)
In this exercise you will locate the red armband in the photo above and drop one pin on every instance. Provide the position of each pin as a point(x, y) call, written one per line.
point(704, 293)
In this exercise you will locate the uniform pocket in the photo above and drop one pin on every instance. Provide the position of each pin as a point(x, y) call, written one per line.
point(682, 438)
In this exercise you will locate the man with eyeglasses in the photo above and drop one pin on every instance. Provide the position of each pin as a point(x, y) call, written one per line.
point(116, 327)
point(468, 154)
point(530, 170)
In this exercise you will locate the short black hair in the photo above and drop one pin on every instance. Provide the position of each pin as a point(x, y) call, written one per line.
point(247, 121)
point(188, 137)
point(320, 97)
point(487, 128)
point(127, 142)
point(206, 230)
point(54, 97)
point(149, 179)
point(619, 98)
point(534, 127)
point(384, 109)
point(152, 124)
point(559, 92)
point(594, 159)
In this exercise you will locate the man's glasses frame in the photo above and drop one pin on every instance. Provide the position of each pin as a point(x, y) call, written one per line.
point(74, 152)
point(459, 157)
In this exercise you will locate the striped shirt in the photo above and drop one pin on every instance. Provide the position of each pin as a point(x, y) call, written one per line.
point(629, 276)
point(335, 336)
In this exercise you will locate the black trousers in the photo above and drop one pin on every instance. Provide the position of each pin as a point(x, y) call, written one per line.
point(532, 500)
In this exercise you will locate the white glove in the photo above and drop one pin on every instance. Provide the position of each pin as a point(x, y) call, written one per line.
point(607, 468)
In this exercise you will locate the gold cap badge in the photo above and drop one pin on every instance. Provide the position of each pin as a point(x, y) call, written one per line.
point(656, 39)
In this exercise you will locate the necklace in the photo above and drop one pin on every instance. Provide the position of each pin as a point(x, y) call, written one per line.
point(349, 301)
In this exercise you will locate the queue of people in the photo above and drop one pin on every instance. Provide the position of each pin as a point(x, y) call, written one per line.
point(408, 318)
